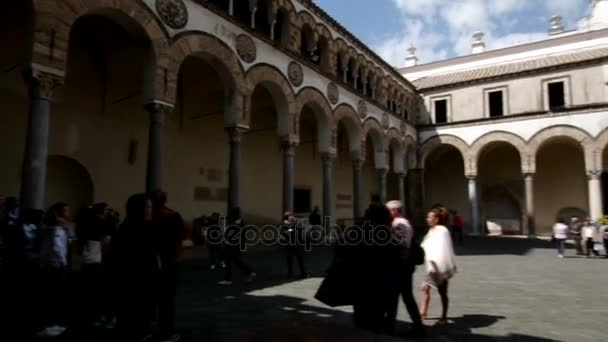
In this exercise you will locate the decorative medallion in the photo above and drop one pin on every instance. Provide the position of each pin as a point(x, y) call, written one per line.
point(296, 75)
point(333, 93)
point(385, 122)
point(245, 48)
point(173, 13)
point(362, 109)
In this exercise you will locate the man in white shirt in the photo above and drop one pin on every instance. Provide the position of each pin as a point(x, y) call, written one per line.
point(404, 236)
point(589, 237)
point(560, 234)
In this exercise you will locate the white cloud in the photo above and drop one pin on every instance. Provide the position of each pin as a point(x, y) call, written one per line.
point(442, 28)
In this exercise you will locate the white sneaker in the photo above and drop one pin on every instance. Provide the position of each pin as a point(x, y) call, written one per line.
point(173, 338)
point(225, 282)
point(560, 256)
point(53, 331)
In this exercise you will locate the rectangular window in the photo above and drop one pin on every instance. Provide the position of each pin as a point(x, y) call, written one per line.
point(301, 200)
point(557, 97)
point(441, 111)
point(495, 103)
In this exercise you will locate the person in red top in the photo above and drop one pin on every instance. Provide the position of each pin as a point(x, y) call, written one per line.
point(458, 228)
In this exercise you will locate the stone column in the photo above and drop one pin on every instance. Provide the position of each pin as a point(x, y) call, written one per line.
point(234, 169)
point(289, 153)
point(415, 200)
point(33, 177)
point(401, 189)
point(474, 205)
point(328, 193)
point(595, 195)
point(382, 184)
point(529, 188)
point(357, 188)
point(158, 112)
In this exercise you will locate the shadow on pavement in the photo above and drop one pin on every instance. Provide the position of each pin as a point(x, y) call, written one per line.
point(502, 245)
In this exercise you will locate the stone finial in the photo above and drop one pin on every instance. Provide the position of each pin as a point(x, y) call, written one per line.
point(556, 25)
point(479, 45)
point(411, 59)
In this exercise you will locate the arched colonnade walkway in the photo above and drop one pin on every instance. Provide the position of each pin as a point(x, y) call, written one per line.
point(523, 186)
point(102, 84)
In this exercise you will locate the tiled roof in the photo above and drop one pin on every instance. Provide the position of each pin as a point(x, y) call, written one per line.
point(509, 69)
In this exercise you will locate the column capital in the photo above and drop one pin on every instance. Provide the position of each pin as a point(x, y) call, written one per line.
point(401, 174)
point(42, 83)
point(471, 177)
point(158, 111)
point(594, 174)
point(328, 157)
point(358, 164)
point(382, 171)
point(529, 175)
point(289, 147)
point(235, 134)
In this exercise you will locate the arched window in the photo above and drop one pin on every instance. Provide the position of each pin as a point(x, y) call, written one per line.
point(321, 54)
point(340, 68)
point(280, 27)
point(350, 79)
point(305, 43)
point(241, 12)
point(262, 25)
point(360, 80)
point(222, 5)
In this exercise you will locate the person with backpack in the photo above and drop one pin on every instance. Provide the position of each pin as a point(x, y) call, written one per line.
point(409, 251)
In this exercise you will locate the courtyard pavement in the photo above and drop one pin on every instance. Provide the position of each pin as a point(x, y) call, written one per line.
point(507, 289)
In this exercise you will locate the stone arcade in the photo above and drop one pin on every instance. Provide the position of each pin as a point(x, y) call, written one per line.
point(272, 105)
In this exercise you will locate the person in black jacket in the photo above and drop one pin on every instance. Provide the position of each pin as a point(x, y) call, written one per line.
point(377, 259)
point(234, 240)
point(293, 236)
point(134, 262)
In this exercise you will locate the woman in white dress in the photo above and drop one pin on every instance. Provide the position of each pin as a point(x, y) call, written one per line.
point(439, 261)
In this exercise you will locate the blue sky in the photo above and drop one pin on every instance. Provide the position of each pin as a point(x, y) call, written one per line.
point(443, 28)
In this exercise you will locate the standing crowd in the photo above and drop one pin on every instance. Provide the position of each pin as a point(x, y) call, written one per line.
point(372, 273)
point(589, 237)
point(127, 274)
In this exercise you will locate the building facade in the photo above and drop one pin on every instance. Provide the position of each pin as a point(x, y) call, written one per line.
point(271, 105)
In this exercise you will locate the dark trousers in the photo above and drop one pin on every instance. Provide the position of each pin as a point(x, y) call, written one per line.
point(55, 297)
point(405, 280)
point(298, 253)
point(458, 236)
point(606, 247)
point(166, 300)
point(215, 254)
point(578, 242)
point(234, 257)
point(370, 316)
point(589, 243)
point(93, 294)
point(561, 246)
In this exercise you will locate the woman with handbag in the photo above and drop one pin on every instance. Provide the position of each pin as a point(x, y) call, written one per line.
point(439, 261)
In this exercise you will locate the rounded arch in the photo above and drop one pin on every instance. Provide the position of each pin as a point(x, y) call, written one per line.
point(373, 129)
point(282, 94)
point(210, 49)
point(411, 154)
point(396, 146)
point(488, 139)
point(431, 144)
point(323, 114)
point(68, 181)
point(58, 19)
point(601, 147)
point(582, 139)
point(346, 114)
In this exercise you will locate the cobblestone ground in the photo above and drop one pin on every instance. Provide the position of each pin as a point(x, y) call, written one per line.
point(508, 289)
